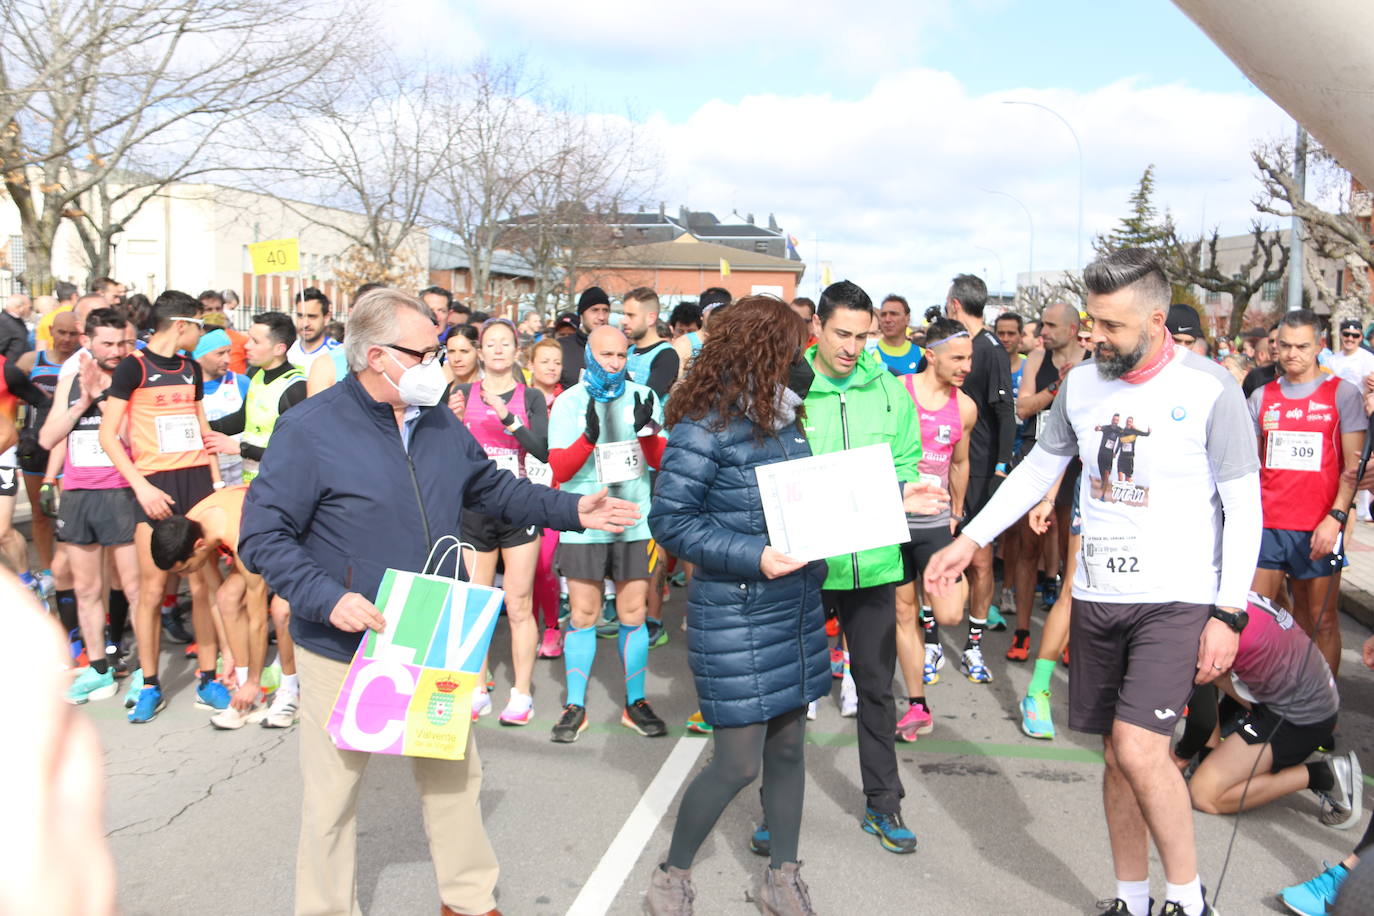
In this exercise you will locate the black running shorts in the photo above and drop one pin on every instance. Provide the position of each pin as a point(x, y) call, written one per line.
point(103, 517)
point(487, 533)
point(1133, 662)
point(619, 561)
point(1292, 743)
point(186, 486)
point(917, 552)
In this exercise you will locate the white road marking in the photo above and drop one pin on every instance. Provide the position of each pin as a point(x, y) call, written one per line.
point(620, 857)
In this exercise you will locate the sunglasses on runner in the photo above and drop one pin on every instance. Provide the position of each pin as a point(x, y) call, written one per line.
point(1353, 335)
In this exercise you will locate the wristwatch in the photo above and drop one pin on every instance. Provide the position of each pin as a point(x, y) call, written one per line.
point(1236, 621)
point(1338, 515)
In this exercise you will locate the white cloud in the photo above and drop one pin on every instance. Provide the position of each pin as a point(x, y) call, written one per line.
point(891, 182)
point(707, 32)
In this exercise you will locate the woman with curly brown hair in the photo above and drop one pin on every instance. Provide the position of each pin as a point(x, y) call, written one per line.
point(755, 629)
point(756, 633)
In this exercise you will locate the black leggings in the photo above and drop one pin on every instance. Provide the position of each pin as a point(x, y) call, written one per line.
point(779, 745)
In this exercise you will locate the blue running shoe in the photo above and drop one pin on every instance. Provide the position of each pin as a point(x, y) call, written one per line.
point(212, 695)
point(135, 688)
point(761, 843)
point(1311, 898)
point(890, 831)
point(1035, 716)
point(149, 704)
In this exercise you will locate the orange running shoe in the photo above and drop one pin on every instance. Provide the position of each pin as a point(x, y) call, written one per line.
point(1020, 646)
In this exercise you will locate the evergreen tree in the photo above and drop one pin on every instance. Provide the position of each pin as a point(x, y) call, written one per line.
point(1141, 227)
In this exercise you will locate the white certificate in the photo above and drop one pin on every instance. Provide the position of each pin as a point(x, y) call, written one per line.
point(830, 505)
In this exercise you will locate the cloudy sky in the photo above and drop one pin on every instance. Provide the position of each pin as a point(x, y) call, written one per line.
point(876, 131)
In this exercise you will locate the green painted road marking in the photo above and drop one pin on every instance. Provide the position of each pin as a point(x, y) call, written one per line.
point(924, 745)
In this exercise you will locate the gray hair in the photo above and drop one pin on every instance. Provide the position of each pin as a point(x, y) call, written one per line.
point(372, 322)
point(1133, 267)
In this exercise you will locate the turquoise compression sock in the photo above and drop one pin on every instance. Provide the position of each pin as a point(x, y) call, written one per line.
point(579, 651)
point(634, 652)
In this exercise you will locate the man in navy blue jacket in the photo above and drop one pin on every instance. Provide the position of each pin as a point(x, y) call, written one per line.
point(364, 477)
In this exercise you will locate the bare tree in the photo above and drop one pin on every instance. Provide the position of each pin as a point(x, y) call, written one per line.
point(595, 170)
point(1342, 236)
point(499, 134)
point(1195, 263)
point(364, 151)
point(146, 86)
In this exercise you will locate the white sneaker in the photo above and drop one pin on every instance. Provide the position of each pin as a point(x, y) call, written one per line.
point(230, 718)
point(935, 660)
point(971, 664)
point(1009, 597)
point(481, 703)
point(519, 710)
point(811, 711)
point(849, 697)
point(1344, 804)
point(283, 713)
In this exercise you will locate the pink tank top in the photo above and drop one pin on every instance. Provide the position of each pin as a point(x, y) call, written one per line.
point(941, 430)
point(500, 445)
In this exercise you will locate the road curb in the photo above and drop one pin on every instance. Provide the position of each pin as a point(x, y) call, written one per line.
point(1358, 604)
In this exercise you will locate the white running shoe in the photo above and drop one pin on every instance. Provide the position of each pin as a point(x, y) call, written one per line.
point(519, 710)
point(811, 711)
point(971, 664)
point(481, 703)
point(1344, 804)
point(935, 660)
point(230, 718)
point(283, 713)
point(849, 696)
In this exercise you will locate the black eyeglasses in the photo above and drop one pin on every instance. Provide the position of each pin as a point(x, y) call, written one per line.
point(425, 357)
point(1352, 334)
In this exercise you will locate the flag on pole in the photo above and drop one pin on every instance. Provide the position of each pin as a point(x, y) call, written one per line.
point(825, 273)
point(724, 268)
point(792, 244)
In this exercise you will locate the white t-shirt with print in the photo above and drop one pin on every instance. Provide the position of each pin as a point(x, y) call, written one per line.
point(1153, 454)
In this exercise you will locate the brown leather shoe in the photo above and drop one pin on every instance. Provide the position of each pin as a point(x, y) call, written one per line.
point(444, 910)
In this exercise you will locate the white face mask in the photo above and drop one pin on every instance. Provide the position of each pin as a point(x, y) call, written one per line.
point(421, 385)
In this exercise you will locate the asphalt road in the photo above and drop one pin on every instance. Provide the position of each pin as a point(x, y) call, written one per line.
point(207, 821)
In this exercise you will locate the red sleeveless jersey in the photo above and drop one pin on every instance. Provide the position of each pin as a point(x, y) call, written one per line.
point(1300, 456)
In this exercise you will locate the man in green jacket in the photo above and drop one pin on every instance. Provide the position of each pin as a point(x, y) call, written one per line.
point(854, 401)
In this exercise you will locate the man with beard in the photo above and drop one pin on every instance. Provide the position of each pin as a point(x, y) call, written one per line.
point(1149, 597)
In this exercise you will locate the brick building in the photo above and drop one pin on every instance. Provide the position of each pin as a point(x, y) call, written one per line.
point(681, 269)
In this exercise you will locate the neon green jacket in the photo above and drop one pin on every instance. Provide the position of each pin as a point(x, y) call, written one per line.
point(873, 408)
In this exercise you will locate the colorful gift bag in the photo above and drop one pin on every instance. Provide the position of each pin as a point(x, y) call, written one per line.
point(408, 689)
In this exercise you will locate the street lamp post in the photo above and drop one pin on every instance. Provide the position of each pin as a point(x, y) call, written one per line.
point(1078, 143)
point(1030, 221)
point(1001, 273)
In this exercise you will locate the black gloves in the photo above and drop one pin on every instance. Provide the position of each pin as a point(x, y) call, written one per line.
point(593, 422)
